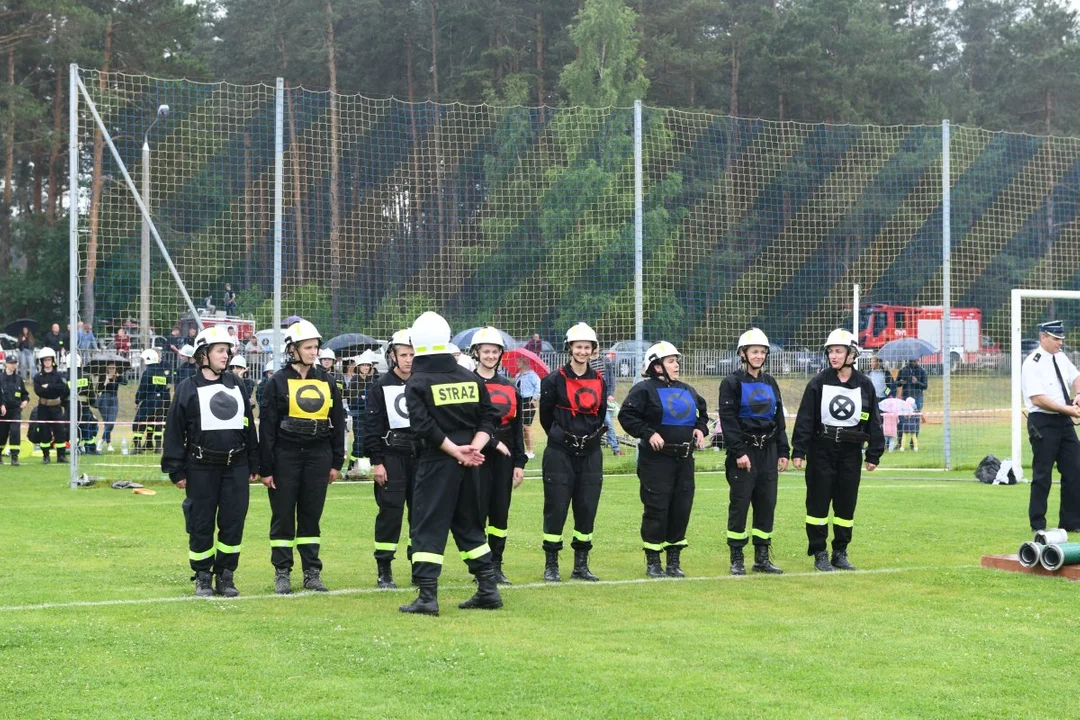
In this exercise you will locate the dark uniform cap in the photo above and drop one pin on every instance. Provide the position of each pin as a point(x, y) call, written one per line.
point(1053, 328)
point(10, 357)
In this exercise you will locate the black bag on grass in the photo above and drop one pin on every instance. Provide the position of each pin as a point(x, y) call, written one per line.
point(988, 469)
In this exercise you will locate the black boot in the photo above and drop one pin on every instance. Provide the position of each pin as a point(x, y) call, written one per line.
point(673, 568)
point(14, 458)
point(225, 584)
point(762, 563)
point(45, 457)
point(281, 582)
point(840, 561)
point(653, 568)
point(312, 581)
point(551, 566)
point(427, 602)
point(61, 455)
point(2, 459)
point(737, 566)
point(500, 579)
point(202, 584)
point(386, 577)
point(487, 593)
point(581, 567)
point(821, 562)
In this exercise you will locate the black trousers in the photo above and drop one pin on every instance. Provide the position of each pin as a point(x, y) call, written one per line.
point(302, 477)
point(53, 428)
point(88, 424)
point(357, 421)
point(215, 494)
point(755, 488)
point(496, 484)
point(571, 480)
point(446, 498)
point(833, 471)
point(11, 429)
point(1053, 440)
point(391, 500)
point(149, 422)
point(667, 494)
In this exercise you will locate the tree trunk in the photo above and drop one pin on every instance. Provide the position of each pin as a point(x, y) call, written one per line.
point(413, 187)
point(540, 58)
point(54, 151)
point(436, 131)
point(249, 211)
point(335, 203)
point(736, 61)
point(95, 192)
point(297, 154)
point(9, 170)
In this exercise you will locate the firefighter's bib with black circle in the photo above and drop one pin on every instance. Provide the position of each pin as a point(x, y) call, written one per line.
point(583, 394)
point(841, 406)
point(758, 401)
point(504, 398)
point(309, 399)
point(397, 413)
point(220, 407)
point(677, 407)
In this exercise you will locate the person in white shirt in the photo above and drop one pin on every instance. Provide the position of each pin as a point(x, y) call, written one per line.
point(1050, 383)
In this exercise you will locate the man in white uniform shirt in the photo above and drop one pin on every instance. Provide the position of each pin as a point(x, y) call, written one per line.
point(1050, 383)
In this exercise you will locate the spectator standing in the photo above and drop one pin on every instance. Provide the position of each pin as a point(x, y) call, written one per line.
point(53, 339)
point(912, 382)
point(535, 344)
point(175, 342)
point(606, 369)
point(879, 377)
point(230, 300)
point(26, 352)
point(108, 403)
point(85, 337)
point(528, 384)
point(121, 341)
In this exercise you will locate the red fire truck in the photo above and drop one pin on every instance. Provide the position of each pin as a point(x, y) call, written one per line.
point(880, 322)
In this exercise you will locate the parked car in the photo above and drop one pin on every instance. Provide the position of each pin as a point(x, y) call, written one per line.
point(627, 355)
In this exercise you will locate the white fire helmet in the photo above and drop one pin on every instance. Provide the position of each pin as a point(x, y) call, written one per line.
point(844, 338)
point(581, 332)
point(150, 356)
point(212, 335)
point(186, 351)
point(753, 336)
point(327, 354)
point(46, 352)
point(430, 335)
point(656, 353)
point(300, 331)
point(238, 361)
point(268, 367)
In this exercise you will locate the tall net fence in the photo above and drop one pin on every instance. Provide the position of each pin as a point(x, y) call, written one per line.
point(525, 218)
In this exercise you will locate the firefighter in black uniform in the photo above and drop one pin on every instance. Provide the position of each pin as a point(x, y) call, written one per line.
point(238, 366)
point(755, 436)
point(86, 397)
point(573, 406)
point(211, 453)
point(671, 420)
point(51, 389)
point(186, 365)
point(13, 398)
point(838, 414)
point(356, 393)
point(302, 449)
point(452, 415)
point(503, 469)
point(152, 399)
point(393, 448)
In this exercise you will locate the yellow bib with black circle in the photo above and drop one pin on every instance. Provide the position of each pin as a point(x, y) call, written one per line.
point(309, 399)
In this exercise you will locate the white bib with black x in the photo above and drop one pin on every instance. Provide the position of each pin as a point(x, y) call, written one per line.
point(220, 407)
point(396, 412)
point(840, 406)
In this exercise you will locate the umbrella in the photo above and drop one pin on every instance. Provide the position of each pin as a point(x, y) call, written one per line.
point(905, 349)
point(464, 339)
point(896, 405)
point(511, 357)
point(289, 321)
point(15, 328)
point(97, 363)
point(351, 343)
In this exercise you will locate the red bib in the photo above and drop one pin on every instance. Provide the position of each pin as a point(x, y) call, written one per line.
point(584, 394)
point(505, 401)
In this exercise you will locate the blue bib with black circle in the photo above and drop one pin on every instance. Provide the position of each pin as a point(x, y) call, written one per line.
point(678, 407)
point(758, 401)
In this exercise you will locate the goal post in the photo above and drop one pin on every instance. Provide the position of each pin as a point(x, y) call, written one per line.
point(1016, 325)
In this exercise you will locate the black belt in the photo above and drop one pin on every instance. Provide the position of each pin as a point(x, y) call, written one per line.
point(404, 442)
point(305, 426)
point(678, 450)
point(216, 457)
point(842, 434)
point(503, 434)
point(581, 444)
point(759, 441)
point(49, 403)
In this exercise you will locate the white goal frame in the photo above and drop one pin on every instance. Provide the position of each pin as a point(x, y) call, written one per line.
point(1017, 296)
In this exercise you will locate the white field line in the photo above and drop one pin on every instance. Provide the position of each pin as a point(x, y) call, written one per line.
point(470, 588)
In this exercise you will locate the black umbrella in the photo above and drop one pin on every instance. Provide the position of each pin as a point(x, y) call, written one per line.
point(15, 328)
point(351, 343)
point(99, 361)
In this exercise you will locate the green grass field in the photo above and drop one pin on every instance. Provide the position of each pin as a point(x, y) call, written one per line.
point(97, 618)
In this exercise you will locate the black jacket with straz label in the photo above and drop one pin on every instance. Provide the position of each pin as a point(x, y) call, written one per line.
point(446, 400)
point(314, 398)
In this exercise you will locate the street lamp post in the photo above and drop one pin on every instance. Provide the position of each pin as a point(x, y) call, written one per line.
point(144, 270)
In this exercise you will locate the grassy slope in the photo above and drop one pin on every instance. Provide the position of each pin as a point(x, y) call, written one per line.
point(929, 634)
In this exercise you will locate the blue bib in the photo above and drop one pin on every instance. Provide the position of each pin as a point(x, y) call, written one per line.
point(678, 406)
point(758, 401)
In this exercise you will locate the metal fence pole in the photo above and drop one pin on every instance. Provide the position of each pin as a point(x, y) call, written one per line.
point(639, 228)
point(73, 259)
point(279, 172)
point(946, 295)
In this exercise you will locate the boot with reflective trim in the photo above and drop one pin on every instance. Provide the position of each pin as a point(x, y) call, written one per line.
point(737, 566)
point(225, 586)
point(386, 577)
point(762, 562)
point(487, 594)
point(312, 581)
point(281, 582)
point(203, 587)
point(821, 562)
point(427, 602)
point(840, 561)
point(551, 566)
point(653, 568)
point(581, 567)
point(500, 579)
point(673, 568)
